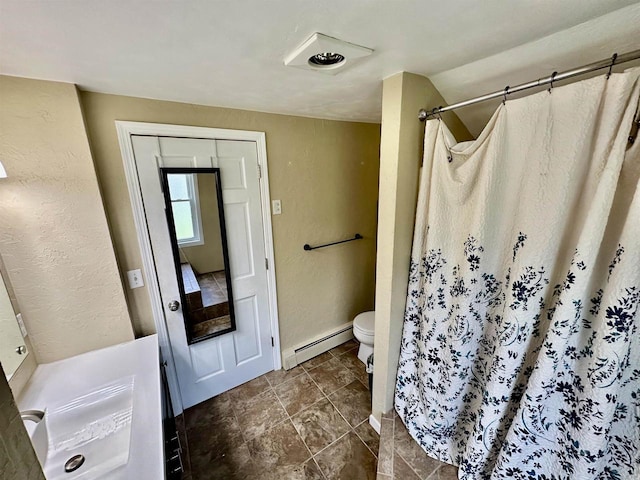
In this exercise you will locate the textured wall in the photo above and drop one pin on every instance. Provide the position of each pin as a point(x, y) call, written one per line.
point(325, 173)
point(401, 148)
point(54, 236)
point(17, 458)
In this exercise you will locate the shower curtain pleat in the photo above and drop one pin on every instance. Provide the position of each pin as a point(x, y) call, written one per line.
point(520, 354)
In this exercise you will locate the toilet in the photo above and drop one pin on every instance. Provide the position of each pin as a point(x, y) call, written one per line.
point(363, 330)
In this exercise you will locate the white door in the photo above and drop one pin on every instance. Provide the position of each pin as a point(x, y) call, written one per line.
point(213, 366)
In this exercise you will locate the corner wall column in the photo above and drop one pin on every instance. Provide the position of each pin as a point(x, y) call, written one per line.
point(401, 147)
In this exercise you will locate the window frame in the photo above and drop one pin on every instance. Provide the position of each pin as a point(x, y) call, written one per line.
point(196, 217)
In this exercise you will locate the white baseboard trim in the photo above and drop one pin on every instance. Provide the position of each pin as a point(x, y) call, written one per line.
point(373, 421)
point(320, 344)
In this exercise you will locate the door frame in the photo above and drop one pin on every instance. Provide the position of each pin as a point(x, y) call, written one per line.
point(125, 130)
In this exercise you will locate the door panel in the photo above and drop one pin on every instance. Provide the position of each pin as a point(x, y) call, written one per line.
point(213, 366)
point(247, 341)
point(242, 256)
point(205, 359)
point(236, 178)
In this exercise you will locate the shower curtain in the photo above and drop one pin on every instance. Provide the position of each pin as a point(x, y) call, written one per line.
point(520, 354)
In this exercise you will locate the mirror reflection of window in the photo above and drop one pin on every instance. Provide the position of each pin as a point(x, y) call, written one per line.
point(185, 205)
point(200, 251)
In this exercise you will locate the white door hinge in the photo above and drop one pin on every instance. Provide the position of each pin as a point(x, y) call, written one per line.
point(266, 263)
point(273, 342)
point(259, 171)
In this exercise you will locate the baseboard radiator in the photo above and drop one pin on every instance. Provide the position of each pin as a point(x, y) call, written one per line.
point(323, 343)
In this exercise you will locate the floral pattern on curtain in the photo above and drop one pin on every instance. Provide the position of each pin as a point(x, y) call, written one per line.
point(520, 355)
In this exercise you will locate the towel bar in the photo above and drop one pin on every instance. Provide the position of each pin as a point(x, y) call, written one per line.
point(309, 247)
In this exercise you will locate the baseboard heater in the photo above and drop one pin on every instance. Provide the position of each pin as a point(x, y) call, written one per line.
point(325, 342)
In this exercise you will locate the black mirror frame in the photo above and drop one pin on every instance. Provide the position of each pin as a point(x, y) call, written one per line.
point(165, 172)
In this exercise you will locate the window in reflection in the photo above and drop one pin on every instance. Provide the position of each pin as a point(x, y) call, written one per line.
point(195, 214)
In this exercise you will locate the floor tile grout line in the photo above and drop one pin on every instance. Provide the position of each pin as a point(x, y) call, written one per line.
point(341, 436)
point(287, 417)
point(311, 457)
point(267, 430)
point(310, 378)
point(294, 426)
point(362, 439)
point(244, 437)
point(351, 429)
point(286, 381)
point(411, 467)
point(271, 387)
point(334, 406)
point(431, 475)
point(332, 357)
point(348, 350)
point(235, 416)
point(353, 374)
point(335, 441)
point(339, 412)
point(329, 400)
point(344, 386)
point(348, 367)
point(267, 379)
point(334, 391)
point(319, 365)
point(309, 406)
point(319, 469)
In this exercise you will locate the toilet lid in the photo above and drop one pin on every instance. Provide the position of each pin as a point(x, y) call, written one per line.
point(365, 322)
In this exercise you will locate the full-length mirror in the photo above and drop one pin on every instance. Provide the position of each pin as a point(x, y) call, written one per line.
point(12, 345)
point(195, 216)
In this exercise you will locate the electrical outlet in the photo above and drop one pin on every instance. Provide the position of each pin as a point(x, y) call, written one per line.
point(135, 279)
point(276, 207)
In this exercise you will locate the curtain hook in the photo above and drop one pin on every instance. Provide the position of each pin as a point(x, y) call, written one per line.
point(613, 62)
point(504, 95)
point(553, 76)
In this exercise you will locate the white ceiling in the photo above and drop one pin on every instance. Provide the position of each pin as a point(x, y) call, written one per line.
point(230, 52)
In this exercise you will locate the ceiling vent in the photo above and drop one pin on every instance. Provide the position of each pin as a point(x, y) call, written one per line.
point(325, 54)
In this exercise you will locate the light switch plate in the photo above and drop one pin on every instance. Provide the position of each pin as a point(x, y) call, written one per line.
point(23, 329)
point(135, 279)
point(276, 207)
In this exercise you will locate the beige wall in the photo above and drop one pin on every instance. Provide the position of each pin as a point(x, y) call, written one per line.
point(401, 149)
point(54, 236)
point(324, 172)
point(208, 257)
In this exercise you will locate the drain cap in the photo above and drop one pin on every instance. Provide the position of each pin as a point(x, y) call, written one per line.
point(73, 463)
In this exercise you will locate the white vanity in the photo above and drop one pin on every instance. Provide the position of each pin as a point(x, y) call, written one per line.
point(124, 378)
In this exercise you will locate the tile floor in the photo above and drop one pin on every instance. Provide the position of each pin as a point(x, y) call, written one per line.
point(202, 329)
point(401, 458)
point(214, 287)
point(211, 314)
point(310, 422)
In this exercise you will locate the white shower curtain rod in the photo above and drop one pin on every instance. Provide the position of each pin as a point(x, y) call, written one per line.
point(554, 77)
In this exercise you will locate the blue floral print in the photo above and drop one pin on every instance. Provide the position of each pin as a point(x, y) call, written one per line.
point(516, 376)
